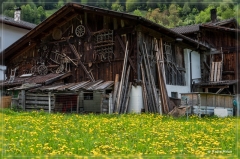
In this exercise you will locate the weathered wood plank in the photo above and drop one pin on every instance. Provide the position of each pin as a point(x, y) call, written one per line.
point(127, 97)
point(144, 90)
point(119, 95)
point(125, 90)
point(39, 95)
point(129, 59)
point(212, 72)
point(38, 102)
point(116, 84)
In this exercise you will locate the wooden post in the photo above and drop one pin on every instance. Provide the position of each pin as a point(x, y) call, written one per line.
point(125, 91)
point(49, 102)
point(110, 110)
point(78, 102)
point(128, 97)
point(139, 56)
point(23, 99)
point(144, 90)
point(116, 84)
point(206, 90)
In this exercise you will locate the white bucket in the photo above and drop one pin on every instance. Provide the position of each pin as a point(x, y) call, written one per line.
point(136, 100)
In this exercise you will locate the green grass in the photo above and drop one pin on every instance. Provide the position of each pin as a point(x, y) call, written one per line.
point(130, 135)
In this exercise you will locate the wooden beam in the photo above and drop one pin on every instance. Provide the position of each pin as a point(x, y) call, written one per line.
point(215, 86)
point(116, 84)
point(129, 59)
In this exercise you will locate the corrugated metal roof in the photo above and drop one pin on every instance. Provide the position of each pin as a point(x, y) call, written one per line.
point(25, 86)
point(84, 85)
point(78, 85)
point(46, 79)
point(22, 24)
point(91, 85)
point(104, 85)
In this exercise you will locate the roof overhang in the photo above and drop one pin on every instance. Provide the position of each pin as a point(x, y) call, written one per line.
point(70, 10)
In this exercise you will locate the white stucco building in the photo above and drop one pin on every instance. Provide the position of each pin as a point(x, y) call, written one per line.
point(192, 71)
point(11, 29)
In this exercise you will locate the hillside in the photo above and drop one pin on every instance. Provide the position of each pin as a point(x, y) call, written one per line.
point(167, 13)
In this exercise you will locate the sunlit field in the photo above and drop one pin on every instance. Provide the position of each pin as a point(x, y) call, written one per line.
point(39, 134)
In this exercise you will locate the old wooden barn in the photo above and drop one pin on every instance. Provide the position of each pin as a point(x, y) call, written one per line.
point(219, 68)
point(134, 61)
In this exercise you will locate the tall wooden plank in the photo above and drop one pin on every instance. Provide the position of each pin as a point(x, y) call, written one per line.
point(212, 72)
point(119, 95)
point(125, 91)
point(116, 84)
point(128, 97)
point(144, 90)
point(161, 58)
point(215, 72)
point(219, 71)
point(23, 99)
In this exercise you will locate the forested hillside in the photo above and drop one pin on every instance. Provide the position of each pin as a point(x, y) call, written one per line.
point(169, 13)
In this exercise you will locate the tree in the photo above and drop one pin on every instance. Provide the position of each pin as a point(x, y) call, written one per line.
point(33, 14)
point(41, 13)
point(137, 12)
point(10, 5)
point(117, 7)
point(186, 9)
point(151, 4)
point(131, 5)
point(174, 19)
point(205, 15)
point(225, 11)
point(60, 4)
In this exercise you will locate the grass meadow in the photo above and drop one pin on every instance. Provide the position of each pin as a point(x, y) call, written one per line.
point(42, 135)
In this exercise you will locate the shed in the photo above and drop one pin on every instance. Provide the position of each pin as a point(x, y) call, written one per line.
point(78, 97)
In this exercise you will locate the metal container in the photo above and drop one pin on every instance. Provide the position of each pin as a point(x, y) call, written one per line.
point(136, 100)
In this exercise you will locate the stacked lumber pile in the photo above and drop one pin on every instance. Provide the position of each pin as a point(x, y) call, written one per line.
point(155, 100)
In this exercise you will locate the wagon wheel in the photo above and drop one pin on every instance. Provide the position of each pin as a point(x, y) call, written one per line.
point(42, 70)
point(60, 68)
point(34, 69)
point(80, 30)
point(57, 34)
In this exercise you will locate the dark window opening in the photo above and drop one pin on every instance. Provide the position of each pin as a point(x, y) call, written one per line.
point(174, 94)
point(88, 96)
point(108, 91)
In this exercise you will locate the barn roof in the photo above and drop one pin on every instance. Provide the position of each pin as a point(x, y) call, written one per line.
point(214, 25)
point(46, 79)
point(21, 24)
point(70, 10)
point(186, 29)
point(98, 85)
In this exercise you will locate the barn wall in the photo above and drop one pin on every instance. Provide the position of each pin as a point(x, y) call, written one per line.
point(96, 51)
point(226, 42)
